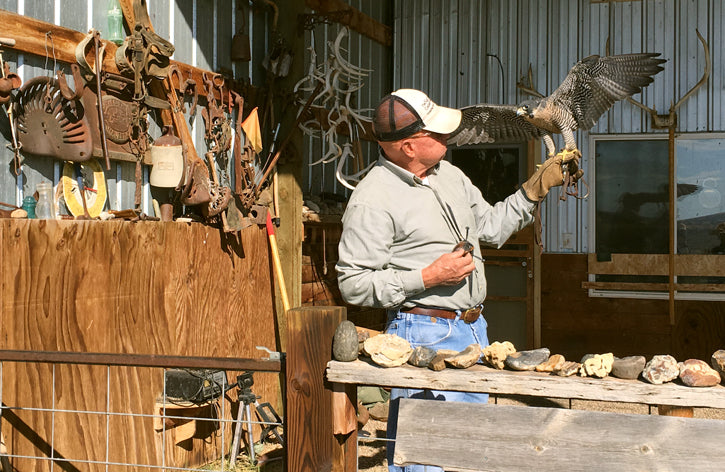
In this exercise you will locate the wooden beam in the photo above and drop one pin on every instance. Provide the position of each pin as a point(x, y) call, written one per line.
point(505, 382)
point(309, 418)
point(30, 38)
point(658, 264)
point(471, 437)
point(355, 19)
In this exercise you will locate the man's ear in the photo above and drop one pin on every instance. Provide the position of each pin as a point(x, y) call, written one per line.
point(408, 148)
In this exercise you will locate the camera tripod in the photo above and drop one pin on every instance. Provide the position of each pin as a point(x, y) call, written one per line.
point(270, 419)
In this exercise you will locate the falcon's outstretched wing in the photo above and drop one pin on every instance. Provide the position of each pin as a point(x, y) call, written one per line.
point(595, 83)
point(485, 123)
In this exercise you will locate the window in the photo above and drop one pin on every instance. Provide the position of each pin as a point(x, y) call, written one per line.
point(631, 236)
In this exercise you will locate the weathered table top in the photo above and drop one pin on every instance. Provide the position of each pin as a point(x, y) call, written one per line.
point(505, 382)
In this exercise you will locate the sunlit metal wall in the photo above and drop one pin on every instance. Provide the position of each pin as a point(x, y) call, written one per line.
point(201, 31)
point(463, 52)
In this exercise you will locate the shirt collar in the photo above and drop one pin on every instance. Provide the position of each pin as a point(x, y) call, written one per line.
point(404, 175)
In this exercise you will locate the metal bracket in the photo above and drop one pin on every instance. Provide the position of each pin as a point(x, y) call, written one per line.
point(273, 355)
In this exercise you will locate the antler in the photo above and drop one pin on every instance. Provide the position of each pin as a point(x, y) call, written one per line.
point(529, 88)
point(705, 75)
point(666, 121)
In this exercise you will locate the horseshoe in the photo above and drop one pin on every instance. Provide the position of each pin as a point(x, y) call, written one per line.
point(65, 89)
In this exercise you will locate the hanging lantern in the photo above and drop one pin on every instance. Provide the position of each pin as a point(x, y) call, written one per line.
point(167, 159)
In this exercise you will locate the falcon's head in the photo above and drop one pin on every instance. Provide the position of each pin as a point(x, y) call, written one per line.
point(527, 107)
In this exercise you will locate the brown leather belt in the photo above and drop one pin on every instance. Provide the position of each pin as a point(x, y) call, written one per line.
point(469, 316)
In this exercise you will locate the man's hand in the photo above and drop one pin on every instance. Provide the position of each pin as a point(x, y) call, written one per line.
point(449, 269)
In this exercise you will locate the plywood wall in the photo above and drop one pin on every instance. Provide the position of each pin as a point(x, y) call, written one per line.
point(574, 324)
point(122, 287)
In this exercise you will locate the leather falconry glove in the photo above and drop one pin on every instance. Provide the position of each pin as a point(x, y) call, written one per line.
point(551, 173)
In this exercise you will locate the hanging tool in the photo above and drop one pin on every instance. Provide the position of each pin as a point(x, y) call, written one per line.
point(9, 83)
point(299, 119)
point(98, 67)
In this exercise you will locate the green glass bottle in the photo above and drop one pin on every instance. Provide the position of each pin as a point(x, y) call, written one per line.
point(115, 22)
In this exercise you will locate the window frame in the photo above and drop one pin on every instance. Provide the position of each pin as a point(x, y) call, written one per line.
point(638, 294)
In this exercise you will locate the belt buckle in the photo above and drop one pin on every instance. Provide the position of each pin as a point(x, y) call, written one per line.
point(471, 315)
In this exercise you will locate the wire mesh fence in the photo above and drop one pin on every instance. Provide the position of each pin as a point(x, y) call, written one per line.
point(101, 412)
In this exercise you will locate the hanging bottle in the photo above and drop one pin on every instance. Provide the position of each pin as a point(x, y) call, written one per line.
point(115, 22)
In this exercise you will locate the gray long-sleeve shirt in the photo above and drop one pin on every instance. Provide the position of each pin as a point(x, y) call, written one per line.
point(394, 226)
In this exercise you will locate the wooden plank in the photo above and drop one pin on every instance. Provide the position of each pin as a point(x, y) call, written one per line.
point(655, 287)
point(658, 264)
point(309, 415)
point(355, 19)
point(474, 437)
point(29, 35)
point(484, 379)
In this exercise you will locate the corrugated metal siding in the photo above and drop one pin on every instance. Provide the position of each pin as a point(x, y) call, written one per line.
point(201, 31)
point(551, 36)
point(361, 52)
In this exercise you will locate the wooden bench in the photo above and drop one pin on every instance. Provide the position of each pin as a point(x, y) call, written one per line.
point(472, 437)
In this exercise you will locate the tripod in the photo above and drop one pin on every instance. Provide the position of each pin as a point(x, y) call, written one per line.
point(266, 413)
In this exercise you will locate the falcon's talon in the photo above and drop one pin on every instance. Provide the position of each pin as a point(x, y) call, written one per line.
point(568, 155)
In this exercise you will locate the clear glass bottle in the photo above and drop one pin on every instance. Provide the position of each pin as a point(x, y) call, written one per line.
point(44, 207)
point(115, 22)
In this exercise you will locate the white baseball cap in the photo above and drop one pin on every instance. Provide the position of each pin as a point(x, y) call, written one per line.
point(407, 111)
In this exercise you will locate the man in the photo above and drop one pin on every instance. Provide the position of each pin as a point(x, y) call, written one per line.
point(401, 226)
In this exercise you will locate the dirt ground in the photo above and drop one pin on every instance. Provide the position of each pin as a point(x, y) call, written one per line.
point(371, 450)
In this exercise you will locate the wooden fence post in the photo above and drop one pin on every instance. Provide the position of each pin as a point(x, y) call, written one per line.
point(309, 420)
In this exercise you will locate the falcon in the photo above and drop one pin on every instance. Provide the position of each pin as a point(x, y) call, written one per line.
point(590, 88)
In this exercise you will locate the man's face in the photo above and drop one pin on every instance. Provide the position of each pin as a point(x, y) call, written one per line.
point(429, 147)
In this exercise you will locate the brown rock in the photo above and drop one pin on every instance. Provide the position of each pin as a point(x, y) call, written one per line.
point(495, 354)
point(465, 358)
point(568, 368)
point(718, 362)
point(660, 369)
point(388, 350)
point(697, 373)
point(597, 365)
point(554, 363)
point(361, 337)
point(439, 361)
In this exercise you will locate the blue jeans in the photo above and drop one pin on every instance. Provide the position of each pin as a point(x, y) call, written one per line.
point(435, 333)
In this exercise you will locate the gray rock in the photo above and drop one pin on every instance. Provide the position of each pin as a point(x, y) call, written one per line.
point(718, 362)
point(660, 369)
point(629, 367)
point(527, 360)
point(421, 356)
point(344, 342)
point(697, 373)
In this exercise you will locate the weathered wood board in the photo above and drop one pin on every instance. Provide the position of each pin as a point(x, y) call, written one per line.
point(121, 287)
point(474, 437)
point(484, 379)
